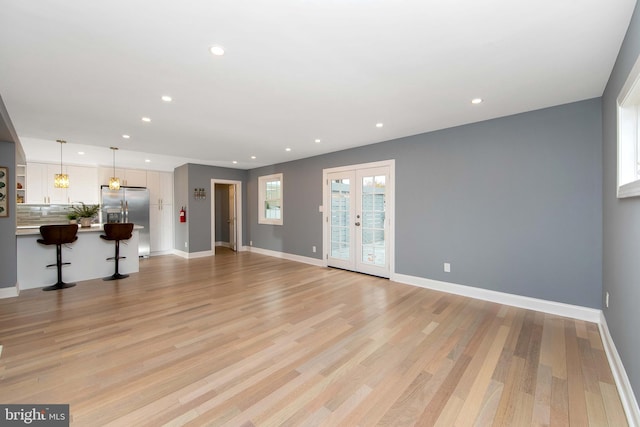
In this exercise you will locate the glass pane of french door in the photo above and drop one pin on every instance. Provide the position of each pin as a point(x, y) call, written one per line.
point(373, 206)
point(341, 207)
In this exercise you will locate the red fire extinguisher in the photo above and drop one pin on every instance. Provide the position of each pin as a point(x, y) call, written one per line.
point(183, 215)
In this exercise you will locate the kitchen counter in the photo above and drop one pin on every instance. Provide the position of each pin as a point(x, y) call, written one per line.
point(26, 230)
point(87, 255)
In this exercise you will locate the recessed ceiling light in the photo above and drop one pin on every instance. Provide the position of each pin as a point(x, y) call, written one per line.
point(166, 98)
point(476, 101)
point(253, 157)
point(317, 141)
point(81, 153)
point(217, 50)
point(379, 125)
point(235, 162)
point(125, 136)
point(287, 149)
point(146, 119)
point(147, 160)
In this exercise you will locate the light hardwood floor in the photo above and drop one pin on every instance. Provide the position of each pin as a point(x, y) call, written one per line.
point(244, 339)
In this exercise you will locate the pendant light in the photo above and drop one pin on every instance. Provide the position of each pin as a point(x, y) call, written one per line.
point(61, 180)
point(114, 181)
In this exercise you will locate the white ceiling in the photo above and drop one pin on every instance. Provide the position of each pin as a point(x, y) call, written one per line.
point(293, 71)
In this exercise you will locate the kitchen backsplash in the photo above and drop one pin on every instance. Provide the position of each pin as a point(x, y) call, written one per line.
point(42, 214)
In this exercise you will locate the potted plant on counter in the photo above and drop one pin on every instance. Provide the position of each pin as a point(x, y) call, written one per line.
point(72, 217)
point(86, 213)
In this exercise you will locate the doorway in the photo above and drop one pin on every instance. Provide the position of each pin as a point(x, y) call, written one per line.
point(359, 224)
point(226, 214)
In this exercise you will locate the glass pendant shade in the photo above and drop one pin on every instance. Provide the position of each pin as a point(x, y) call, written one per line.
point(61, 180)
point(114, 183)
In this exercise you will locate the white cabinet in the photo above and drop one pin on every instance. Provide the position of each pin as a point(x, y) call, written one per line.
point(83, 184)
point(128, 177)
point(135, 178)
point(40, 184)
point(36, 183)
point(160, 185)
point(160, 228)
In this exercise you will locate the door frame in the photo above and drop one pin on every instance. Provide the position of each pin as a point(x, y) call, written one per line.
point(233, 213)
point(238, 184)
point(391, 207)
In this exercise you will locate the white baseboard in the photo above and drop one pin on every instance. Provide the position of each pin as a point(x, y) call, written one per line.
point(192, 255)
point(551, 307)
point(290, 257)
point(629, 402)
point(10, 292)
point(223, 244)
point(167, 252)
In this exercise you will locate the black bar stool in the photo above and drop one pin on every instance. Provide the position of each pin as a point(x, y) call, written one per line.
point(58, 235)
point(117, 232)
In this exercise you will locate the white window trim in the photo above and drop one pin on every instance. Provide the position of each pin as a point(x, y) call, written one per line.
point(628, 181)
point(262, 180)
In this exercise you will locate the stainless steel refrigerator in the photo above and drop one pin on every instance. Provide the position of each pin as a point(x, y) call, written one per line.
point(128, 204)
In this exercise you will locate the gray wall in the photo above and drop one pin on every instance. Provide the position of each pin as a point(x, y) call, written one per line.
point(9, 257)
point(199, 211)
point(11, 152)
point(621, 219)
point(222, 212)
point(181, 199)
point(514, 204)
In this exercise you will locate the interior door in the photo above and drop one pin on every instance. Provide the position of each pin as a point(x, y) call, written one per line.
point(232, 217)
point(358, 223)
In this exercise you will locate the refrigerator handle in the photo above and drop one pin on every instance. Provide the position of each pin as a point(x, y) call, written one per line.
point(126, 211)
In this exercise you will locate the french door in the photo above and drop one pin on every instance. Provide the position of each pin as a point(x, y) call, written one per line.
point(358, 225)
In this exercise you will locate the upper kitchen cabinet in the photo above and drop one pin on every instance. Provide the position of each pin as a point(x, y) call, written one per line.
point(40, 187)
point(128, 177)
point(83, 184)
point(160, 185)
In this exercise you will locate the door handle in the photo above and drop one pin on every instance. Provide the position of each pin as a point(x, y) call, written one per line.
point(357, 224)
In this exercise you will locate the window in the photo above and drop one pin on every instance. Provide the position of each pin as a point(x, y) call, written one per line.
point(270, 199)
point(629, 135)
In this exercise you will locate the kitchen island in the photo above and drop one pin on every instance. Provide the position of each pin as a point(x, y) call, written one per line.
point(87, 255)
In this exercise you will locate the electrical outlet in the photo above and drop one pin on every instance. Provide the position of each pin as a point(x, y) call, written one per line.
point(250, 242)
point(606, 299)
point(313, 248)
point(185, 244)
point(447, 267)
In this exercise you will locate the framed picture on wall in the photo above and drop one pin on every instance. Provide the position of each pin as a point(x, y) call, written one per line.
point(4, 192)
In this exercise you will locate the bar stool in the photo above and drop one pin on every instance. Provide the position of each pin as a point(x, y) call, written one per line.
point(58, 235)
point(117, 232)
